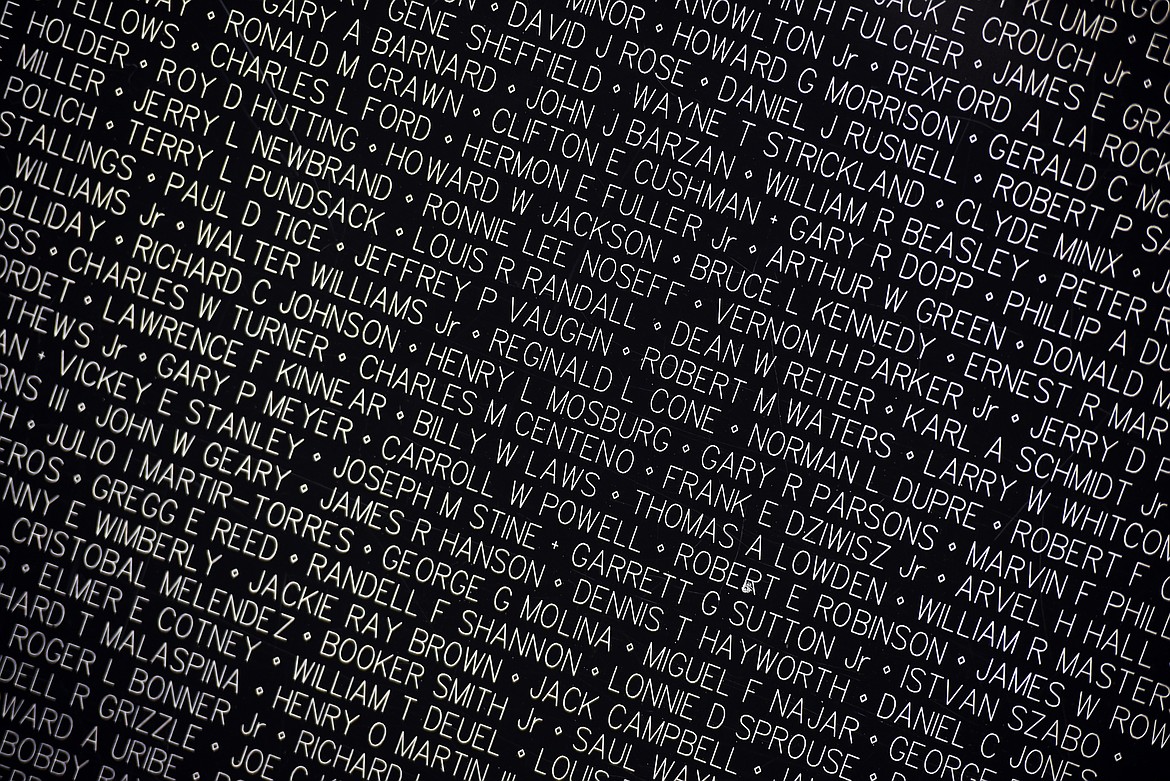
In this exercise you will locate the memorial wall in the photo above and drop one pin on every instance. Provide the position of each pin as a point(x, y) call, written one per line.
point(603, 390)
